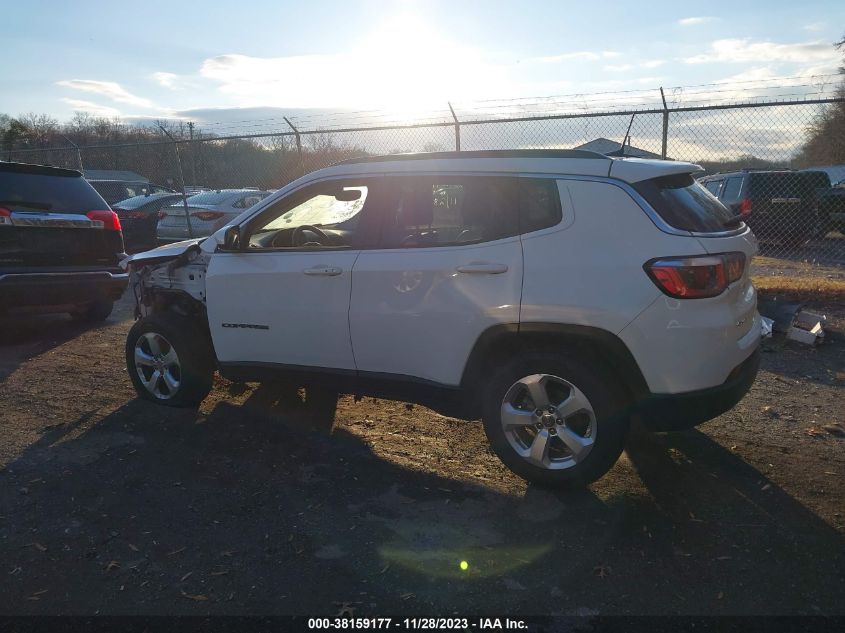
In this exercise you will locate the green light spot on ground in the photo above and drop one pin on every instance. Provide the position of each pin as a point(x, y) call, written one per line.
point(464, 565)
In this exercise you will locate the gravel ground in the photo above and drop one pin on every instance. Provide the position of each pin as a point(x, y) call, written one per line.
point(262, 503)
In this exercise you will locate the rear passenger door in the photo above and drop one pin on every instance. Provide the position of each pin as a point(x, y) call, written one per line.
point(448, 266)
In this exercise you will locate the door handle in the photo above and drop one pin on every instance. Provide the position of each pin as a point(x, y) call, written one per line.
point(323, 271)
point(482, 268)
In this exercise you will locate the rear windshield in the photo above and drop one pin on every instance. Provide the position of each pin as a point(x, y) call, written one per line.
point(211, 197)
point(39, 192)
point(685, 204)
point(787, 184)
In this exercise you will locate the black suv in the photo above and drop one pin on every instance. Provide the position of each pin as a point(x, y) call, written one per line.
point(780, 205)
point(60, 244)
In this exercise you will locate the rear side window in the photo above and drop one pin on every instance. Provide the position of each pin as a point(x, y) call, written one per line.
point(713, 186)
point(40, 192)
point(685, 205)
point(539, 204)
point(787, 184)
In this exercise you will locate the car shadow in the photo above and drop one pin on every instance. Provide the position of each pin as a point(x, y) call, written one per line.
point(268, 508)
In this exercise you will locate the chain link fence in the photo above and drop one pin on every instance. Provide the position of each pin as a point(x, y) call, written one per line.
point(751, 154)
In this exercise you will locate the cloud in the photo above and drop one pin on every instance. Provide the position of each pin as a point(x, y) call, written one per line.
point(591, 56)
point(815, 26)
point(619, 68)
point(92, 108)
point(745, 50)
point(695, 21)
point(653, 63)
point(167, 80)
point(110, 89)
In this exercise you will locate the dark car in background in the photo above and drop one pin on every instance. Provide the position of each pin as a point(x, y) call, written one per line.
point(832, 208)
point(139, 217)
point(60, 244)
point(779, 205)
point(116, 190)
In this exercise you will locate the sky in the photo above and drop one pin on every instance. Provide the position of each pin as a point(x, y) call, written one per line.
point(214, 60)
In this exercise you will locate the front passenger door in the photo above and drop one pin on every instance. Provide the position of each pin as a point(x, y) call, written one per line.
point(283, 298)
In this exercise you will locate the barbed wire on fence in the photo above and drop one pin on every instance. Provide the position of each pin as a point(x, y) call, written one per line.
point(726, 128)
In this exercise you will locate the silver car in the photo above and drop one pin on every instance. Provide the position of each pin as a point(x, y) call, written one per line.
point(207, 211)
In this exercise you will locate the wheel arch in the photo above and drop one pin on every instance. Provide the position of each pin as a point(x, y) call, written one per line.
point(501, 342)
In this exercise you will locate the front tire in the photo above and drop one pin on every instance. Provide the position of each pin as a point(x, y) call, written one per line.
point(168, 361)
point(555, 420)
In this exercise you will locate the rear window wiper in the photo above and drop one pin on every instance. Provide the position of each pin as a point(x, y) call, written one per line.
point(28, 203)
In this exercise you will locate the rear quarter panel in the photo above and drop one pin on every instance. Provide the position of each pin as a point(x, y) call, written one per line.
point(588, 270)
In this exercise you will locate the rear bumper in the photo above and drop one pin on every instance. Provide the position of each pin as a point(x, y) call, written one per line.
point(28, 289)
point(674, 412)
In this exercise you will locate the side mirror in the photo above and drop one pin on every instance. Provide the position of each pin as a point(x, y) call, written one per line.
point(232, 239)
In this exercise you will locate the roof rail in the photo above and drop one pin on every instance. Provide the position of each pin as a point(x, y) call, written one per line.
point(487, 153)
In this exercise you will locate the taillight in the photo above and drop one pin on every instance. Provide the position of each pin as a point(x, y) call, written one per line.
point(745, 206)
point(107, 220)
point(5, 216)
point(696, 277)
point(207, 215)
point(133, 215)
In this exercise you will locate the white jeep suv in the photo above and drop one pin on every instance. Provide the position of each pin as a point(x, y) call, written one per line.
point(554, 294)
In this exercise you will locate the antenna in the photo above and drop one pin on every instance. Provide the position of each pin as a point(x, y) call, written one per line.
point(627, 136)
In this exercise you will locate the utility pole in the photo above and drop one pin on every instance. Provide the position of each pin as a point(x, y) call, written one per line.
point(193, 162)
point(181, 180)
point(665, 125)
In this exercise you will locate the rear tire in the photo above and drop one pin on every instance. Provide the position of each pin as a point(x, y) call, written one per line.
point(94, 312)
point(581, 428)
point(169, 361)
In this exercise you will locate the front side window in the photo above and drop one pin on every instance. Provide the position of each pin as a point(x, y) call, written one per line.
point(325, 215)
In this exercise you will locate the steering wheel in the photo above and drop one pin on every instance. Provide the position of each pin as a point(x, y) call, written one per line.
point(294, 237)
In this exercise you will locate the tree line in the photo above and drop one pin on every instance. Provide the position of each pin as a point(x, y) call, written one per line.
point(273, 161)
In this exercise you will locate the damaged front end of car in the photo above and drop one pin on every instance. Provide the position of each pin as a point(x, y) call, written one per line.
point(169, 278)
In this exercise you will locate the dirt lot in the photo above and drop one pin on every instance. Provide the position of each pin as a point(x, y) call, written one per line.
point(259, 503)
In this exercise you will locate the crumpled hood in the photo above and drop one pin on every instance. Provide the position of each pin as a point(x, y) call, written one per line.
point(168, 251)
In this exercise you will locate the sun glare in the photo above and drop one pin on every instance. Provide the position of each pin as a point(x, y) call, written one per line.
point(416, 68)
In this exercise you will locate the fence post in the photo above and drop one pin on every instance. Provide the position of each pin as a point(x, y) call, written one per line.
point(298, 146)
point(457, 128)
point(78, 153)
point(665, 125)
point(181, 181)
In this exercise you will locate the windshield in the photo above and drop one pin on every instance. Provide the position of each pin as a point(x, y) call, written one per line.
point(685, 204)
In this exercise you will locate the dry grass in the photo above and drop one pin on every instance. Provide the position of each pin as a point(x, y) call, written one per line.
point(803, 288)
